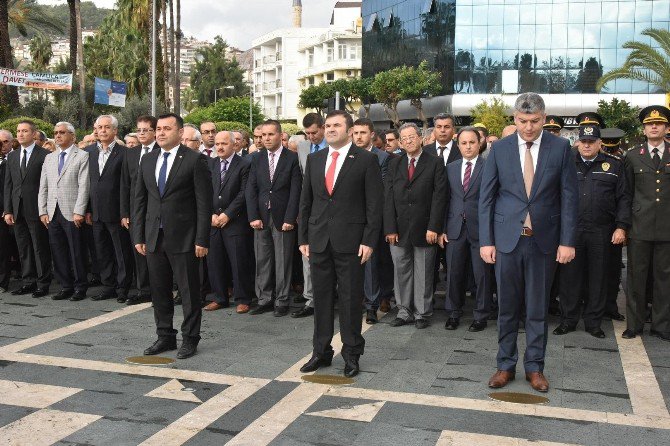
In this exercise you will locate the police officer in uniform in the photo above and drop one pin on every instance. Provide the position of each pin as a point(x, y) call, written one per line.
point(647, 170)
point(554, 124)
point(604, 218)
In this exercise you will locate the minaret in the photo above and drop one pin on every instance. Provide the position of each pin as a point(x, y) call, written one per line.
point(297, 13)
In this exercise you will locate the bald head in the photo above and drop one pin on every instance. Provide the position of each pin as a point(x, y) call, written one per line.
point(508, 130)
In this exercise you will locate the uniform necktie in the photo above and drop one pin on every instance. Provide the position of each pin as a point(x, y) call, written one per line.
point(528, 175)
point(330, 175)
point(61, 161)
point(224, 169)
point(272, 166)
point(466, 176)
point(162, 174)
point(410, 169)
point(588, 164)
point(656, 158)
point(24, 163)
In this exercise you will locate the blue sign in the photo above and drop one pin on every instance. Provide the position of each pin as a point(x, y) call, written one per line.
point(109, 92)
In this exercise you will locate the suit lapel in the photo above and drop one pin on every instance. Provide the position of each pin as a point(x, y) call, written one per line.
point(475, 172)
point(150, 164)
point(541, 164)
point(32, 161)
point(68, 161)
point(645, 156)
point(419, 168)
point(404, 165)
point(281, 162)
point(513, 157)
point(233, 165)
point(110, 159)
point(178, 158)
point(348, 162)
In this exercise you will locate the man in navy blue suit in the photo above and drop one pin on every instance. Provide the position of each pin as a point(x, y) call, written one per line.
point(528, 207)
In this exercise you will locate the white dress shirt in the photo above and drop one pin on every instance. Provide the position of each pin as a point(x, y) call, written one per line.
point(534, 151)
point(446, 151)
point(103, 155)
point(212, 153)
point(170, 161)
point(150, 146)
point(344, 151)
point(415, 157)
point(276, 155)
point(473, 161)
point(29, 151)
point(661, 149)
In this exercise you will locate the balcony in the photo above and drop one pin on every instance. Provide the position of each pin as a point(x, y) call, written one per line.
point(339, 64)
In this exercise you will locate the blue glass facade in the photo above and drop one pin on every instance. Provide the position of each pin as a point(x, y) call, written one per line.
point(511, 46)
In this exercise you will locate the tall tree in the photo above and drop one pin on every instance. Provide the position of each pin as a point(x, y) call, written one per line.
point(7, 94)
point(27, 15)
point(214, 72)
point(173, 68)
point(40, 52)
point(80, 64)
point(177, 81)
point(73, 35)
point(166, 60)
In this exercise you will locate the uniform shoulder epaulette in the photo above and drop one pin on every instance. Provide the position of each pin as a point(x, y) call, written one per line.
point(616, 157)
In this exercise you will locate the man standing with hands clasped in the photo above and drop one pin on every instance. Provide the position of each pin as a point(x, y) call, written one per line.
point(339, 223)
point(528, 207)
point(171, 217)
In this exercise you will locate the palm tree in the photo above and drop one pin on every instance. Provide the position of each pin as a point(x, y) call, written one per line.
point(26, 15)
point(73, 35)
point(40, 52)
point(177, 82)
point(8, 95)
point(173, 68)
point(645, 63)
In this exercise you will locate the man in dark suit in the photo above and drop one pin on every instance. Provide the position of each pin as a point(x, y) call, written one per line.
point(230, 255)
point(340, 219)
point(146, 133)
point(273, 197)
point(462, 233)
point(6, 240)
point(528, 214)
point(413, 220)
point(112, 241)
point(378, 283)
point(22, 184)
point(444, 146)
point(647, 171)
point(172, 213)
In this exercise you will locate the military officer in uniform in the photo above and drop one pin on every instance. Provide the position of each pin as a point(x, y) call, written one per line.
point(554, 124)
point(604, 218)
point(647, 170)
point(591, 118)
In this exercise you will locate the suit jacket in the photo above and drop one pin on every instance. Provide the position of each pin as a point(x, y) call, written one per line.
point(384, 159)
point(553, 202)
point(304, 148)
point(461, 204)
point(413, 207)
point(650, 191)
point(229, 196)
point(3, 168)
point(352, 215)
point(131, 165)
point(454, 153)
point(20, 194)
point(184, 210)
point(105, 191)
point(283, 193)
point(69, 190)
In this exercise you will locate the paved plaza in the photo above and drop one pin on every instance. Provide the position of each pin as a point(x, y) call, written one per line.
point(64, 379)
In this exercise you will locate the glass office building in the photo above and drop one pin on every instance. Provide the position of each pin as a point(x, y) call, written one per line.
point(555, 47)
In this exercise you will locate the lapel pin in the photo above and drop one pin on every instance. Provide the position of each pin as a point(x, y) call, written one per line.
point(351, 156)
point(180, 156)
point(642, 151)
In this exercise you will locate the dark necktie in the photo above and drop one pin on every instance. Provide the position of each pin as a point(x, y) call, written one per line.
point(440, 151)
point(24, 162)
point(224, 169)
point(466, 176)
point(410, 170)
point(656, 158)
point(145, 150)
point(588, 164)
point(61, 161)
point(314, 148)
point(208, 152)
point(162, 174)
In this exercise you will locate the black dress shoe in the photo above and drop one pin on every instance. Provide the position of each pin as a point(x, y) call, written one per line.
point(596, 332)
point(452, 324)
point(478, 325)
point(420, 324)
point(62, 295)
point(78, 295)
point(122, 299)
point(351, 365)
point(630, 334)
point(262, 308)
point(161, 345)
point(397, 322)
point(660, 335)
point(94, 282)
point(615, 316)
point(103, 296)
point(138, 299)
point(316, 362)
point(41, 292)
point(280, 311)
point(303, 312)
point(187, 350)
point(299, 299)
point(25, 289)
point(563, 329)
point(371, 317)
point(554, 311)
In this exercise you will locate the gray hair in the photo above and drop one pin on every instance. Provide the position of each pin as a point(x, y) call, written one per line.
point(428, 131)
point(296, 138)
point(67, 125)
point(529, 103)
point(197, 133)
point(230, 134)
point(8, 133)
point(410, 125)
point(441, 116)
point(115, 122)
point(133, 135)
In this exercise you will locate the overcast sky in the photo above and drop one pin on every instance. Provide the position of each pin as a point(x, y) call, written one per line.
point(240, 21)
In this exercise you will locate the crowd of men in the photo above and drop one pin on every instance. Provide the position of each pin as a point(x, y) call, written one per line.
point(343, 212)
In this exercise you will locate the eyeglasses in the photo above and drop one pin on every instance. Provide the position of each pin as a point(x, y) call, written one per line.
point(61, 132)
point(407, 138)
point(143, 130)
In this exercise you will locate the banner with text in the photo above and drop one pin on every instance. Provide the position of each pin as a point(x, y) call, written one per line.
point(49, 81)
point(110, 92)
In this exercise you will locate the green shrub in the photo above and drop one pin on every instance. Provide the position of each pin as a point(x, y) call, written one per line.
point(231, 125)
point(291, 129)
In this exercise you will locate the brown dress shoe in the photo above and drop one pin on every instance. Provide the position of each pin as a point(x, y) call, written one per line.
point(242, 308)
point(501, 378)
point(213, 306)
point(538, 381)
point(385, 306)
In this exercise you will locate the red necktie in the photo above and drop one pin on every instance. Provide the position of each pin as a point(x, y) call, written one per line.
point(410, 170)
point(466, 176)
point(330, 175)
point(208, 152)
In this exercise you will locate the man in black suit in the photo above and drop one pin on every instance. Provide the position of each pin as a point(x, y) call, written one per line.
point(340, 220)
point(444, 146)
point(6, 240)
point(146, 133)
point(230, 254)
point(273, 197)
point(112, 241)
point(413, 220)
point(461, 233)
point(22, 184)
point(172, 213)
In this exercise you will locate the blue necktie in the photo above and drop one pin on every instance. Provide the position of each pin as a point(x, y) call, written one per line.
point(315, 148)
point(162, 174)
point(61, 162)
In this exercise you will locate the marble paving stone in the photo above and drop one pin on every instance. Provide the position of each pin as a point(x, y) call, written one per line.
point(44, 427)
point(357, 412)
point(37, 396)
point(392, 434)
point(117, 432)
point(11, 413)
point(209, 437)
point(406, 376)
point(321, 431)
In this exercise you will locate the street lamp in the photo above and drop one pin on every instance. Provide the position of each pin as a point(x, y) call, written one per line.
point(229, 87)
